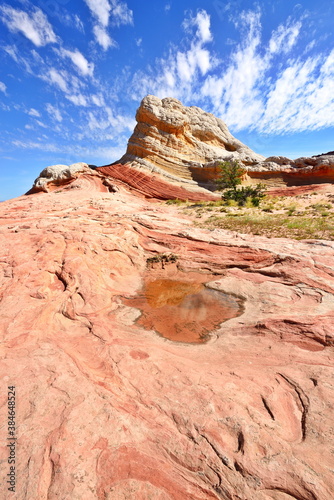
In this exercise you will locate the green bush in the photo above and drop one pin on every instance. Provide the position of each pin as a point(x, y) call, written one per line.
point(230, 177)
point(245, 194)
point(230, 174)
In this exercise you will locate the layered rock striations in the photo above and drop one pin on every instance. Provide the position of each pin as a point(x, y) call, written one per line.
point(185, 144)
point(174, 152)
point(109, 410)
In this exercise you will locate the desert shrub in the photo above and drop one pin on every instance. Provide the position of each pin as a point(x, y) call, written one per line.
point(245, 195)
point(230, 177)
point(230, 173)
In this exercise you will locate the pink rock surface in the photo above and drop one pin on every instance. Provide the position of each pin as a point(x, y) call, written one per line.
point(108, 410)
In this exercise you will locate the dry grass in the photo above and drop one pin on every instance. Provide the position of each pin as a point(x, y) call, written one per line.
point(308, 216)
point(278, 226)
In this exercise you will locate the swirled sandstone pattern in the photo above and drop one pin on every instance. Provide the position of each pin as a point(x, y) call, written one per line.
point(108, 410)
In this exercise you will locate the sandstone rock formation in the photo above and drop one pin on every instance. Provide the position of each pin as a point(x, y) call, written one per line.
point(185, 144)
point(279, 170)
point(179, 141)
point(58, 175)
point(109, 410)
point(175, 151)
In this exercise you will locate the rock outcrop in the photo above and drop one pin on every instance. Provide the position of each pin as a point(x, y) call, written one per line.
point(185, 144)
point(279, 170)
point(56, 175)
point(182, 143)
point(174, 152)
point(106, 409)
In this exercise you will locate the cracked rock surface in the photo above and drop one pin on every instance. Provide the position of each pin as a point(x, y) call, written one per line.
point(108, 410)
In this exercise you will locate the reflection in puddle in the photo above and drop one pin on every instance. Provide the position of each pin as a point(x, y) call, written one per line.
point(183, 311)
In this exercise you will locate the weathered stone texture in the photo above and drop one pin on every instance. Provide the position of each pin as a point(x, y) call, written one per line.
point(108, 410)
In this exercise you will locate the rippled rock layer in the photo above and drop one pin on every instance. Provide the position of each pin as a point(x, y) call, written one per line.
point(107, 409)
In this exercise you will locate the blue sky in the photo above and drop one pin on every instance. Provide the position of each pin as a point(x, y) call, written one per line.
point(73, 73)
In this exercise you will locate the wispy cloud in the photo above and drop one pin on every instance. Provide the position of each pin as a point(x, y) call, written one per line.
point(77, 99)
point(302, 97)
point(79, 61)
point(179, 74)
point(236, 94)
point(41, 124)
point(54, 112)
point(58, 78)
point(35, 26)
point(3, 87)
point(102, 37)
point(104, 11)
point(36, 145)
point(284, 38)
point(255, 88)
point(106, 119)
point(201, 22)
point(100, 10)
point(69, 84)
point(33, 112)
point(256, 93)
point(84, 153)
point(120, 13)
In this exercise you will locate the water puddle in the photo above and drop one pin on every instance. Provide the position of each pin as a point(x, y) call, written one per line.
point(183, 311)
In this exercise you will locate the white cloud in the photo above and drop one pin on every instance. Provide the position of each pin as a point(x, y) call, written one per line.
point(120, 13)
point(106, 118)
point(54, 112)
point(36, 145)
point(253, 93)
point(100, 10)
point(269, 88)
point(79, 60)
point(202, 22)
point(179, 74)
point(12, 52)
point(77, 99)
point(103, 11)
point(69, 84)
point(33, 112)
point(41, 124)
point(167, 7)
point(235, 95)
point(58, 78)
point(301, 99)
point(35, 26)
point(285, 37)
point(109, 153)
point(98, 100)
point(139, 42)
point(78, 23)
point(3, 87)
point(103, 38)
